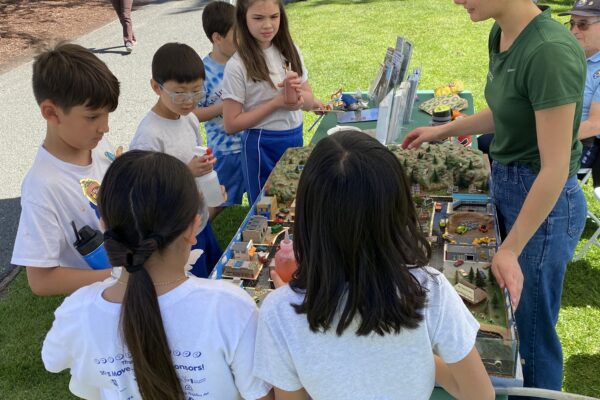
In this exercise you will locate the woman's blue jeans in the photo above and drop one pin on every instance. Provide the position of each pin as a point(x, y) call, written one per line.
point(543, 262)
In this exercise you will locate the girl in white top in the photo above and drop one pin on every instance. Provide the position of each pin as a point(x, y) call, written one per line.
point(362, 318)
point(253, 94)
point(154, 333)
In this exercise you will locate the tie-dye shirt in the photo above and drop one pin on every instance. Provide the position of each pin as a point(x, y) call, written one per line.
point(216, 136)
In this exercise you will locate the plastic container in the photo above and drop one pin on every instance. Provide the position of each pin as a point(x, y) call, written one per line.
point(209, 184)
point(441, 115)
point(285, 261)
point(90, 244)
point(289, 93)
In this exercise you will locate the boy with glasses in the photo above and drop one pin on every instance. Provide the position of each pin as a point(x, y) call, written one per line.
point(171, 127)
point(585, 16)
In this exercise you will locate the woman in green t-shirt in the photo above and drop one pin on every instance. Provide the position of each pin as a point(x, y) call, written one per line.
point(534, 92)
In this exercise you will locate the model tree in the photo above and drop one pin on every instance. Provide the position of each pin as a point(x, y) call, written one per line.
point(471, 276)
point(491, 278)
point(496, 300)
point(413, 176)
point(479, 280)
point(435, 178)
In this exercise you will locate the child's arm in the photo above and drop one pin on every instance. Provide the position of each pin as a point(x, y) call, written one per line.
point(201, 165)
point(45, 281)
point(236, 120)
point(466, 379)
point(308, 96)
point(295, 395)
point(207, 113)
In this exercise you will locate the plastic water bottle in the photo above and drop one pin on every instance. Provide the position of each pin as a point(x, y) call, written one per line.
point(90, 244)
point(209, 183)
point(285, 261)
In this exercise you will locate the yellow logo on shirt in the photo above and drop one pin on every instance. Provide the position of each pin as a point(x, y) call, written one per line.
point(596, 74)
point(90, 189)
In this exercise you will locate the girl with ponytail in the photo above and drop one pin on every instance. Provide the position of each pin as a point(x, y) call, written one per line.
point(142, 336)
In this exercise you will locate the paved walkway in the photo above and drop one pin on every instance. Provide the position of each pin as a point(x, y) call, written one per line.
point(22, 128)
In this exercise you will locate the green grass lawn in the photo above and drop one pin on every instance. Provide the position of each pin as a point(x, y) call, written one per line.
point(343, 42)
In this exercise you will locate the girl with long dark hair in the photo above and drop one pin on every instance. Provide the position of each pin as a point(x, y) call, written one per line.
point(144, 336)
point(362, 317)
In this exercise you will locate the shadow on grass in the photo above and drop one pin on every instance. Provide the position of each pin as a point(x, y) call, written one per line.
point(10, 210)
point(581, 374)
point(580, 288)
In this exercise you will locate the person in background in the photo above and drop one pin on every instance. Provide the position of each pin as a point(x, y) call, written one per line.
point(123, 9)
point(217, 20)
point(584, 24)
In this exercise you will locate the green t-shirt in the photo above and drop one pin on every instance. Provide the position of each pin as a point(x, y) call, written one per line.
point(543, 68)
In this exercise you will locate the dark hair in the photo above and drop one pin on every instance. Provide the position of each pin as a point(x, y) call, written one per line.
point(70, 75)
point(248, 48)
point(355, 235)
point(146, 200)
point(218, 17)
point(177, 62)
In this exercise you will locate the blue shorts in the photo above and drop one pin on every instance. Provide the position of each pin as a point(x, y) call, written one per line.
point(261, 149)
point(229, 170)
point(207, 241)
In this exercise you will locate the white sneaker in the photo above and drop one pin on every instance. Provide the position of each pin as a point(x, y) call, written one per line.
point(597, 193)
point(129, 47)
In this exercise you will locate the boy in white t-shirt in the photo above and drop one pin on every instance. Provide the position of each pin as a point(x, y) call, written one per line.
point(171, 127)
point(75, 91)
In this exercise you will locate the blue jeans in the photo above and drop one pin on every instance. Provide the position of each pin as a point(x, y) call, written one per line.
point(543, 262)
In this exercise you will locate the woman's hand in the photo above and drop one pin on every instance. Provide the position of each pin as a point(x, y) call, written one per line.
point(418, 136)
point(506, 269)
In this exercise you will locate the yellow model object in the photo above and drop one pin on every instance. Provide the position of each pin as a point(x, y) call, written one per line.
point(452, 87)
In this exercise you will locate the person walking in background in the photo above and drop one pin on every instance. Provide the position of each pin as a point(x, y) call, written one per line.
point(123, 9)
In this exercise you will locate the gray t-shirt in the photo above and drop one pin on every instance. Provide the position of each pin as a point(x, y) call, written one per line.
point(396, 366)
